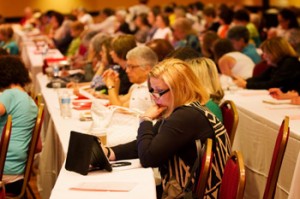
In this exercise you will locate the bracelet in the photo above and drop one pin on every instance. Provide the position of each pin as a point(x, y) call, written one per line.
point(108, 152)
point(110, 87)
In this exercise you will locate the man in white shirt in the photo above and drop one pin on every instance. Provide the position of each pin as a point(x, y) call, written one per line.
point(140, 61)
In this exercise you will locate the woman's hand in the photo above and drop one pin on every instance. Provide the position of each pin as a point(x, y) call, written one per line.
point(240, 82)
point(111, 78)
point(296, 100)
point(278, 94)
point(154, 112)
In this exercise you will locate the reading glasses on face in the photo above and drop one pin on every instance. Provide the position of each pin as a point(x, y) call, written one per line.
point(158, 94)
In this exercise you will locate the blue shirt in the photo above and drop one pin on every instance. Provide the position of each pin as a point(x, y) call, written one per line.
point(11, 47)
point(24, 112)
point(251, 52)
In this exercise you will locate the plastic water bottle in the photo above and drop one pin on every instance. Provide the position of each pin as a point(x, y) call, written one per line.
point(65, 105)
point(55, 70)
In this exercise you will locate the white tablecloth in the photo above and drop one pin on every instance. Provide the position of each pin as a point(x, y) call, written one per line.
point(31, 56)
point(255, 137)
point(141, 178)
point(295, 191)
point(55, 145)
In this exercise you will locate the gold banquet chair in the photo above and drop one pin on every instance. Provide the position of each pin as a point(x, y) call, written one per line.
point(4, 142)
point(278, 154)
point(230, 118)
point(234, 178)
point(30, 158)
point(2, 190)
point(206, 163)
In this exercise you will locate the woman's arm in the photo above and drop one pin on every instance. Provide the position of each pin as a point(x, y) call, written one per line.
point(225, 64)
point(181, 129)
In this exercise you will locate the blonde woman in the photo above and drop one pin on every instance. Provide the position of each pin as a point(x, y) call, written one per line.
point(207, 73)
point(182, 119)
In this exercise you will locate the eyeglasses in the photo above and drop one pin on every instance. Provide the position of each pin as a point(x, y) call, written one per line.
point(131, 67)
point(158, 94)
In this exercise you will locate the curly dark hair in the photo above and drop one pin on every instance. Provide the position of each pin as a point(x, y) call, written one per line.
point(13, 71)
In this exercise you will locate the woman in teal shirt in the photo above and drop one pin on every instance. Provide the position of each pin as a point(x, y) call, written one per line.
point(16, 102)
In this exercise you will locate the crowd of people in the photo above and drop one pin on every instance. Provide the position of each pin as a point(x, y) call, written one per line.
point(171, 63)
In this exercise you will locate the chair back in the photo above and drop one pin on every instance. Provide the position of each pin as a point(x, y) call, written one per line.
point(259, 68)
point(230, 118)
point(4, 142)
point(206, 163)
point(31, 151)
point(2, 190)
point(38, 99)
point(234, 179)
point(278, 153)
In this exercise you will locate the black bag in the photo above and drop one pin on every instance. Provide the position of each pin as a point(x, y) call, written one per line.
point(85, 154)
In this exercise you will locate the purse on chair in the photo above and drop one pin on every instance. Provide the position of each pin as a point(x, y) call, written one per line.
point(173, 189)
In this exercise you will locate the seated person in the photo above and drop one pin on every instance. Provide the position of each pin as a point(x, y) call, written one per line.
point(284, 71)
point(170, 143)
point(15, 101)
point(119, 48)
point(184, 35)
point(6, 39)
point(140, 60)
point(239, 37)
point(231, 62)
point(76, 31)
point(95, 60)
point(207, 73)
point(241, 17)
point(59, 34)
point(143, 28)
point(161, 47)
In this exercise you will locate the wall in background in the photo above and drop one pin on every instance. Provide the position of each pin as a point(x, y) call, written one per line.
point(14, 8)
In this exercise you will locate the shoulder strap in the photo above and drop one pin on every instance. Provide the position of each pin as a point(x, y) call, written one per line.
point(187, 187)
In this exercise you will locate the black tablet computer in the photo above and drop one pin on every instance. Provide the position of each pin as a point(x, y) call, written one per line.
point(85, 154)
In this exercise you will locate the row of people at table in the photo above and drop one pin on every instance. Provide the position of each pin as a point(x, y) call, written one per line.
point(167, 23)
point(276, 52)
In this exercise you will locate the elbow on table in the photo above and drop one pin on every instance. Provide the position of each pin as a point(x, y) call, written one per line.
point(148, 162)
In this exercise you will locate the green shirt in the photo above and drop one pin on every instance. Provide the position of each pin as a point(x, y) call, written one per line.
point(215, 109)
point(73, 47)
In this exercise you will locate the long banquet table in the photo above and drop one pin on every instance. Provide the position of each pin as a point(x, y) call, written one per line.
point(32, 55)
point(256, 134)
point(257, 131)
point(55, 145)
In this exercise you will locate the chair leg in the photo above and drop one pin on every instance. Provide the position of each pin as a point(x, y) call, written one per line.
point(30, 192)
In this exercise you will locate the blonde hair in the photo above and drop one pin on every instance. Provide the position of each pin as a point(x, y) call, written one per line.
point(206, 71)
point(278, 47)
point(183, 83)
